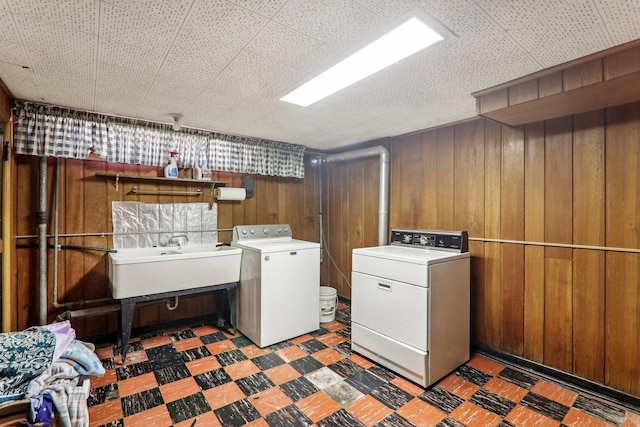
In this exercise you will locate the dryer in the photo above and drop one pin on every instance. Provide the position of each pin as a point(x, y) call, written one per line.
point(278, 296)
point(410, 303)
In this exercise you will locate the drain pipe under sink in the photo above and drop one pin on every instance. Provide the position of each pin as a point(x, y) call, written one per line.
point(383, 201)
point(41, 217)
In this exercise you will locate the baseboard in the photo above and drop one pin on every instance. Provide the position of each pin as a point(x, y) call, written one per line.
point(571, 381)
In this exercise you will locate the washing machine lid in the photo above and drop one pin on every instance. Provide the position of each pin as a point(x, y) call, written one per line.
point(276, 244)
point(415, 255)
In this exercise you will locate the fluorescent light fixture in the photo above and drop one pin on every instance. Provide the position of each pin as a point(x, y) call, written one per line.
point(408, 38)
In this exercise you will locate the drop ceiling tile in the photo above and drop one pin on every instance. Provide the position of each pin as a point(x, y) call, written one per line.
point(248, 74)
point(197, 58)
point(392, 9)
point(210, 104)
point(290, 124)
point(177, 87)
point(368, 3)
point(265, 8)
point(62, 41)
point(621, 18)
point(442, 8)
point(14, 53)
point(116, 51)
point(120, 97)
point(22, 82)
point(283, 83)
point(78, 15)
point(224, 21)
point(115, 83)
point(256, 107)
point(319, 19)
point(494, 60)
point(70, 91)
point(568, 33)
point(108, 103)
point(360, 32)
point(125, 27)
point(518, 13)
point(344, 41)
point(320, 59)
point(282, 44)
point(61, 51)
point(158, 107)
point(172, 12)
point(472, 23)
point(8, 30)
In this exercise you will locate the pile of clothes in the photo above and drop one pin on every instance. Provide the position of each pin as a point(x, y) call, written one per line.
point(46, 369)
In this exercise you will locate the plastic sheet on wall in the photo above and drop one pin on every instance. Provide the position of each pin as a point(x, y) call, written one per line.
point(144, 225)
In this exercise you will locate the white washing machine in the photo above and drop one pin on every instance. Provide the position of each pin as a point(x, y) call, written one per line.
point(410, 303)
point(278, 295)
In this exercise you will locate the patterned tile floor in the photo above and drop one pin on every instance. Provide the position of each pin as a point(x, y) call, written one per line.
point(202, 376)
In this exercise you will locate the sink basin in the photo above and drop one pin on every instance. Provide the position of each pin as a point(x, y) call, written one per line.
point(144, 271)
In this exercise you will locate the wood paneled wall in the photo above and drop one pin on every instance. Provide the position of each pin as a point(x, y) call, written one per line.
point(573, 180)
point(85, 207)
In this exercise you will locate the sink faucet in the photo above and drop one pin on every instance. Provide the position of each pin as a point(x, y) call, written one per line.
point(173, 240)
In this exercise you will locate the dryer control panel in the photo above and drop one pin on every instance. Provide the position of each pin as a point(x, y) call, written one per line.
point(260, 231)
point(453, 241)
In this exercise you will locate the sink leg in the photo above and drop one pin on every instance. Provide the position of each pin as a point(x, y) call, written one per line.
point(126, 320)
point(231, 295)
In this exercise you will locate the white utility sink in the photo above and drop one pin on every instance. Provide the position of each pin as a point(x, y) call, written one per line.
point(144, 271)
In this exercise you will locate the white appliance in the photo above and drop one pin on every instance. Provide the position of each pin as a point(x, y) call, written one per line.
point(279, 291)
point(410, 304)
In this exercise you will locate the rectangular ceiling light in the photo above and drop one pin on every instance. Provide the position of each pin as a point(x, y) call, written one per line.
point(403, 41)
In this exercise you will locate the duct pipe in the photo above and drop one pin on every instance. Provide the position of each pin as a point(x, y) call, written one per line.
point(320, 231)
point(41, 217)
point(383, 201)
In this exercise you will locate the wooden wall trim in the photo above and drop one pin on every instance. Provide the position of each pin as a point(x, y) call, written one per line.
point(556, 245)
point(555, 69)
point(620, 91)
point(6, 102)
point(602, 80)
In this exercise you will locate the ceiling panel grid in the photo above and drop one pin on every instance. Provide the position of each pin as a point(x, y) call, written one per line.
point(224, 64)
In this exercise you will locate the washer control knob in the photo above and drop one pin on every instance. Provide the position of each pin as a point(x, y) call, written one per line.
point(265, 231)
point(252, 231)
point(286, 229)
point(279, 230)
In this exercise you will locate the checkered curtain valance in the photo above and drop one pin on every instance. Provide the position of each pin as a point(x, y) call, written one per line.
point(45, 130)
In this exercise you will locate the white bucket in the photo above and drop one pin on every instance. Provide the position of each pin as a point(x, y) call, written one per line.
point(328, 304)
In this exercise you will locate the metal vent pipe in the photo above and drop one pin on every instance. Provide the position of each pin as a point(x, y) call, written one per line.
point(41, 217)
point(383, 200)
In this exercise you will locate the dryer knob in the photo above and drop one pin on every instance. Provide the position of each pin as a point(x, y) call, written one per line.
point(244, 231)
point(252, 231)
point(265, 231)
